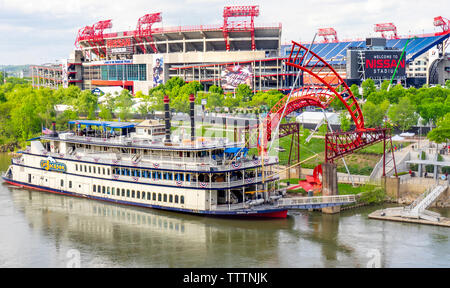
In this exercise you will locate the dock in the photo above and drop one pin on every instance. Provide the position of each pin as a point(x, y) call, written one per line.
point(443, 221)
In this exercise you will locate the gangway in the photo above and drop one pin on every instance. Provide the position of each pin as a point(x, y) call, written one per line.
point(316, 202)
point(417, 210)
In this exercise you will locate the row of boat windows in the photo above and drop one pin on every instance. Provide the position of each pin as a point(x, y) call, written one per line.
point(92, 169)
point(138, 194)
point(152, 175)
point(133, 172)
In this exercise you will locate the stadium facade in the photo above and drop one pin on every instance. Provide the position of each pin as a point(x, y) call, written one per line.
point(233, 52)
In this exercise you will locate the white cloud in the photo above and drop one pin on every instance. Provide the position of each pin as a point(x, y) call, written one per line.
point(300, 19)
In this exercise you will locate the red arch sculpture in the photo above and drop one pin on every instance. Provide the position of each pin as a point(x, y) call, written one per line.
point(331, 85)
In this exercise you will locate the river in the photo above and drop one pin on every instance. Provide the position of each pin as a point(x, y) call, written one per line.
point(39, 229)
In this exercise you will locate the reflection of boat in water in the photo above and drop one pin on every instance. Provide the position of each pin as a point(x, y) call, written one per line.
point(118, 231)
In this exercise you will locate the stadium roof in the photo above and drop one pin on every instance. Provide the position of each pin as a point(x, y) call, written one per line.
point(336, 53)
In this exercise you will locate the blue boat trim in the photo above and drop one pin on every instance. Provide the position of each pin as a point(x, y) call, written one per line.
point(243, 212)
point(153, 169)
point(149, 184)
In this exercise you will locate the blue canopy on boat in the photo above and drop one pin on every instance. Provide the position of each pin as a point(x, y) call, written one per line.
point(236, 150)
point(109, 124)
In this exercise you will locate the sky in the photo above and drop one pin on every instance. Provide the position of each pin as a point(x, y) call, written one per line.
point(44, 31)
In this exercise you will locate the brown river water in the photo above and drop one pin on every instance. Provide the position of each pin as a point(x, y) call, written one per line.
point(39, 229)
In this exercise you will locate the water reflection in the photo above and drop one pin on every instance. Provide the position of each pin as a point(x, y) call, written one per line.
point(37, 229)
point(154, 237)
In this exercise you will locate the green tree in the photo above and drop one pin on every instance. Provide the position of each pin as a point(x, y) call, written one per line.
point(368, 87)
point(86, 104)
point(105, 113)
point(345, 122)
point(374, 114)
point(216, 89)
point(403, 114)
point(244, 92)
point(441, 133)
point(123, 103)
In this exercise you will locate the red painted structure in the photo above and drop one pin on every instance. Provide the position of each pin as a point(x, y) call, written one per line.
point(442, 22)
point(325, 32)
point(386, 27)
point(239, 26)
point(339, 144)
point(144, 31)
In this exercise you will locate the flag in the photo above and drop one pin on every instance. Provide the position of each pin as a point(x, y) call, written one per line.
point(46, 131)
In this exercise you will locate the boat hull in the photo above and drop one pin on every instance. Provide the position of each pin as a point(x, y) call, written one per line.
point(278, 213)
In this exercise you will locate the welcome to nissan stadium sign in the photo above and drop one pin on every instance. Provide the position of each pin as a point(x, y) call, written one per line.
point(382, 64)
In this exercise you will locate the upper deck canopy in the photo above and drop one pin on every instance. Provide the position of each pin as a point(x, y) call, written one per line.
point(106, 124)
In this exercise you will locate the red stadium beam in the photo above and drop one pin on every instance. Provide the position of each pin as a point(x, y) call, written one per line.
point(386, 27)
point(442, 22)
point(239, 26)
point(325, 32)
point(144, 31)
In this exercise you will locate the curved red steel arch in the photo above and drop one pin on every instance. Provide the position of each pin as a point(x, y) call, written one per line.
point(331, 85)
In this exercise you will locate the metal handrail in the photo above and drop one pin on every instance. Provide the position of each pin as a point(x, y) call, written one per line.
point(317, 200)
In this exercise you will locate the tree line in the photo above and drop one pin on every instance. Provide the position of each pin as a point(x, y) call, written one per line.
point(24, 111)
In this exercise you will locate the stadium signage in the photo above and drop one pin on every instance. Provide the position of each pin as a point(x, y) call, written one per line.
point(382, 64)
point(116, 43)
point(118, 62)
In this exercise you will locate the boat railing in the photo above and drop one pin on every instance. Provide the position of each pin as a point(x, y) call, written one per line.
point(194, 184)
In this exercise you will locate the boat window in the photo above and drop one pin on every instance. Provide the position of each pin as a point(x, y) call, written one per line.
point(76, 167)
point(154, 196)
point(62, 183)
point(123, 192)
point(70, 184)
point(165, 197)
point(138, 195)
point(128, 193)
point(170, 198)
point(112, 191)
point(132, 194)
point(94, 170)
point(108, 191)
point(176, 198)
point(143, 195)
point(148, 196)
point(182, 199)
point(159, 197)
point(93, 188)
point(90, 169)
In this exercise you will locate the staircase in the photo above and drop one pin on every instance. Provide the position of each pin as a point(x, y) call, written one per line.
point(377, 171)
point(419, 206)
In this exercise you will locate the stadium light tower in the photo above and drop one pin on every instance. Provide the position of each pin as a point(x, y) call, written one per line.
point(442, 22)
point(144, 31)
point(325, 32)
point(386, 27)
point(239, 26)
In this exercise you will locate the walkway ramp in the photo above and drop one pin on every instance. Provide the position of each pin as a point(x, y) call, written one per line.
point(417, 209)
point(316, 202)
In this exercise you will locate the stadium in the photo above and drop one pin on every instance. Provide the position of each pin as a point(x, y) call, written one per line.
point(239, 50)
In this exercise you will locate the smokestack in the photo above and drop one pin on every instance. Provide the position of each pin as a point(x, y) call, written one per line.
point(54, 133)
point(192, 100)
point(167, 119)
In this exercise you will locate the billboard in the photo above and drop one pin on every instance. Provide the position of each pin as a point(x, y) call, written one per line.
point(158, 70)
point(382, 64)
point(234, 75)
point(120, 46)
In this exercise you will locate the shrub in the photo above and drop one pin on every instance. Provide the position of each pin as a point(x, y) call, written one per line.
point(374, 196)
